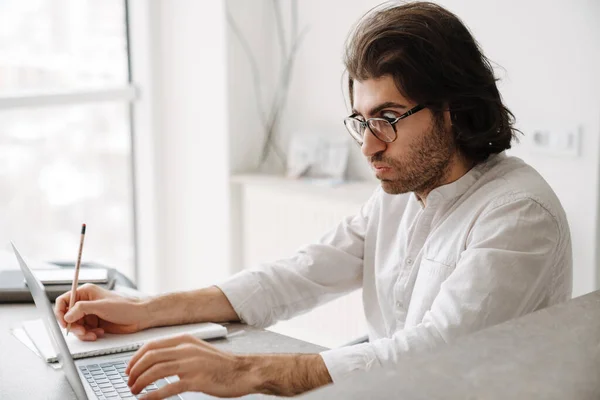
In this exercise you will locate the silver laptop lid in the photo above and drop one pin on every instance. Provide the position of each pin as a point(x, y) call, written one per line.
point(58, 341)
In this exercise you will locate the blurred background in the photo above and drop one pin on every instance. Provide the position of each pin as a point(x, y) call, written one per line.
point(148, 120)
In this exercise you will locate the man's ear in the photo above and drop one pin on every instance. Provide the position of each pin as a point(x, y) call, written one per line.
point(448, 118)
point(351, 91)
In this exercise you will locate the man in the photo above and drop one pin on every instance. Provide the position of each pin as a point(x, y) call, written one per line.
point(459, 237)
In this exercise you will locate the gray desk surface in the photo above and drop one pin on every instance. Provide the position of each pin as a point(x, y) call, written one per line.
point(551, 354)
point(23, 375)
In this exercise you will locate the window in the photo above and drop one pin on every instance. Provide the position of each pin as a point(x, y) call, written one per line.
point(65, 130)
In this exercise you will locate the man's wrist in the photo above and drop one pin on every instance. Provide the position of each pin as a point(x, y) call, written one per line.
point(204, 305)
point(149, 309)
point(283, 375)
point(169, 309)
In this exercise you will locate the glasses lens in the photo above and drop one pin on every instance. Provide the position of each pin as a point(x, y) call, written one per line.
point(382, 129)
point(355, 129)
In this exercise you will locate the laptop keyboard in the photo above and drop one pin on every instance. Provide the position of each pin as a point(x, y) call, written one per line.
point(109, 382)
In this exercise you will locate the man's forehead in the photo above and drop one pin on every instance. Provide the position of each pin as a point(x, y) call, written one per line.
point(370, 93)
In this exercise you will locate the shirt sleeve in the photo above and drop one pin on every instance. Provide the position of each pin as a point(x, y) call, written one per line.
point(317, 273)
point(502, 274)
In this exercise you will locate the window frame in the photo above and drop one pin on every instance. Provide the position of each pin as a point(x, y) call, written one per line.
point(128, 94)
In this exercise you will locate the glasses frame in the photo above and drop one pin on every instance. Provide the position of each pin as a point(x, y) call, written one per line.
point(366, 124)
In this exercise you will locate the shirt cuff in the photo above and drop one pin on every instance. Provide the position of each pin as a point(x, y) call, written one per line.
point(244, 292)
point(341, 362)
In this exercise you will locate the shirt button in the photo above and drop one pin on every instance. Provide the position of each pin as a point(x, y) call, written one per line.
point(398, 304)
point(409, 261)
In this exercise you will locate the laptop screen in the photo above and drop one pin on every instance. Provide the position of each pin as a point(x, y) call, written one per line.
point(60, 345)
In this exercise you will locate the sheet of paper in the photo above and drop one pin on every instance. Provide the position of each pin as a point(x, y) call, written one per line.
point(20, 334)
point(22, 337)
point(109, 344)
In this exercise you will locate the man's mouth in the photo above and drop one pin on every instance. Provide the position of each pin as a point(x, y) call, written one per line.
point(378, 167)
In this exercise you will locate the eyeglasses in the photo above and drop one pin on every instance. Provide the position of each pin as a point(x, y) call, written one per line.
point(383, 129)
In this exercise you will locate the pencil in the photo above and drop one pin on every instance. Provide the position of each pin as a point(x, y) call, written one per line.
point(76, 277)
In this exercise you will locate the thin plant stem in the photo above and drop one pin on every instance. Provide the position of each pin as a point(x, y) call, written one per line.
point(280, 97)
point(280, 30)
point(253, 68)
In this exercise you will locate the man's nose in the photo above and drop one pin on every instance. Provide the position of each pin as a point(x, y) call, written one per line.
point(371, 145)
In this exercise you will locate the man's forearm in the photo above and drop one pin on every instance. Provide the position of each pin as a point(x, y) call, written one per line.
point(285, 375)
point(204, 305)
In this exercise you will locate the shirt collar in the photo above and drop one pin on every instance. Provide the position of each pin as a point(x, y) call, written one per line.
point(460, 186)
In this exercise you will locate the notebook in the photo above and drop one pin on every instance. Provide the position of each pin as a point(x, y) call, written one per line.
point(111, 344)
point(64, 276)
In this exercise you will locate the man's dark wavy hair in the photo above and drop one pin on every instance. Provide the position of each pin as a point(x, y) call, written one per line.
point(435, 61)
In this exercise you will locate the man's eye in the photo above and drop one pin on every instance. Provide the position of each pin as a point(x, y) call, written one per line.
point(389, 115)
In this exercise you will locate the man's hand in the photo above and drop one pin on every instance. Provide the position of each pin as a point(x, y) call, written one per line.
point(200, 367)
point(204, 368)
point(98, 311)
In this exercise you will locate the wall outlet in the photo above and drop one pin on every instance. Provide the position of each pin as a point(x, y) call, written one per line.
point(564, 143)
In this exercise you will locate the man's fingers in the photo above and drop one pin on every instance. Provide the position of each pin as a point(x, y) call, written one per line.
point(150, 358)
point(167, 391)
point(83, 308)
point(78, 329)
point(87, 337)
point(76, 313)
point(62, 301)
point(86, 333)
point(154, 373)
point(60, 317)
point(158, 344)
point(60, 307)
point(98, 331)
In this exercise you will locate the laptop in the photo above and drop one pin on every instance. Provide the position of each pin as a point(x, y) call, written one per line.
point(98, 378)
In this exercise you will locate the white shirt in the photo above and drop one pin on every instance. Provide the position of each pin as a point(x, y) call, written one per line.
point(492, 246)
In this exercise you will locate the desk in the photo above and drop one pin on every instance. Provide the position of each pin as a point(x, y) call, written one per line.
point(23, 375)
point(553, 353)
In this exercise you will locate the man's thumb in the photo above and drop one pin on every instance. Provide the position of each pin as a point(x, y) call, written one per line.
point(79, 310)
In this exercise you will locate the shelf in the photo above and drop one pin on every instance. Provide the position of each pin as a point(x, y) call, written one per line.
point(353, 191)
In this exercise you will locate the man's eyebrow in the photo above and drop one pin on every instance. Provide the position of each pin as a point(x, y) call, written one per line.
point(382, 106)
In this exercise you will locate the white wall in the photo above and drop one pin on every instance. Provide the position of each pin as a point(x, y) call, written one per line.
point(255, 21)
point(550, 51)
point(182, 134)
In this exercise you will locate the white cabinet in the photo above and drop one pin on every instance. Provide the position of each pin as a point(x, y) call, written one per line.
point(275, 216)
